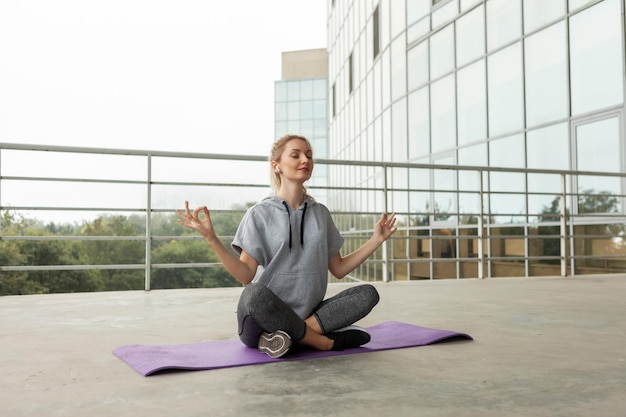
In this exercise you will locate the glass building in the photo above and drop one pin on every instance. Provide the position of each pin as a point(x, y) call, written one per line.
point(520, 84)
point(300, 105)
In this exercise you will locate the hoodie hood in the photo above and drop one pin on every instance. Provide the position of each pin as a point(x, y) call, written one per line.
point(280, 204)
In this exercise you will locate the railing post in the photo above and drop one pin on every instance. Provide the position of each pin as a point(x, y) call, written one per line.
point(563, 231)
point(386, 207)
point(148, 265)
point(481, 228)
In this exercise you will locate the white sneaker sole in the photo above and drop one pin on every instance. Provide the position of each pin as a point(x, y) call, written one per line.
point(275, 344)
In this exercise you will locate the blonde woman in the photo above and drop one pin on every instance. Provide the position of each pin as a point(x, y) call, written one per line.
point(293, 238)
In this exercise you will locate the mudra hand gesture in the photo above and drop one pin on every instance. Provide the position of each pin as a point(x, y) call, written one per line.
point(385, 226)
point(192, 220)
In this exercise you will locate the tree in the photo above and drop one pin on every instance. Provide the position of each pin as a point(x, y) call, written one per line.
point(40, 252)
point(114, 252)
point(14, 282)
point(197, 251)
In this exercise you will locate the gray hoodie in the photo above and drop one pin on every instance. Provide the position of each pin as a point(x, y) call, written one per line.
point(293, 248)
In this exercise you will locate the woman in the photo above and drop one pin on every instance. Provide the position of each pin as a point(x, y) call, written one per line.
point(295, 242)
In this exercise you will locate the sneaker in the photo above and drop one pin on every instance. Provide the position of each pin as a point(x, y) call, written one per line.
point(275, 344)
point(349, 337)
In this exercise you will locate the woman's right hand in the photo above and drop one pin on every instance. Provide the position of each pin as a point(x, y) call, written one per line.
point(192, 220)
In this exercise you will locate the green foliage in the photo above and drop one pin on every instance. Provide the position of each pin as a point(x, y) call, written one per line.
point(590, 201)
point(186, 252)
point(130, 250)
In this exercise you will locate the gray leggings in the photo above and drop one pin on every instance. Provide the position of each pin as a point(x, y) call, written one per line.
point(260, 310)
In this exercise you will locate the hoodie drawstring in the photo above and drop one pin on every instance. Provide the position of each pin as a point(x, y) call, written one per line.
point(301, 224)
point(289, 220)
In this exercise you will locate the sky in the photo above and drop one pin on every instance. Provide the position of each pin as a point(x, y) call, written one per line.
point(173, 75)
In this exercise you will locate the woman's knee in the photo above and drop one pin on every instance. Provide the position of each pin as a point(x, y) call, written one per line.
point(371, 294)
point(252, 290)
point(252, 293)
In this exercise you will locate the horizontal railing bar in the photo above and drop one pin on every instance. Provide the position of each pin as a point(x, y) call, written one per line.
point(135, 182)
point(101, 209)
point(190, 155)
point(73, 237)
point(188, 265)
point(209, 184)
point(58, 179)
point(347, 234)
point(70, 267)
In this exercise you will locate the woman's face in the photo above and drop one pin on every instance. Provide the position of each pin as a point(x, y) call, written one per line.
point(296, 161)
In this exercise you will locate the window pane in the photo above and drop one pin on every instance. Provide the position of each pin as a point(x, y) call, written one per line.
point(443, 129)
point(466, 4)
point(575, 4)
point(398, 17)
point(504, 22)
point(418, 65)
point(545, 207)
point(473, 155)
point(281, 111)
point(319, 109)
point(597, 146)
point(548, 148)
point(444, 204)
point(398, 68)
point(293, 91)
point(419, 124)
point(507, 152)
point(319, 89)
point(594, 248)
point(306, 130)
point(472, 104)
point(386, 135)
point(546, 76)
point(386, 73)
point(509, 204)
point(419, 179)
point(540, 12)
point(441, 52)
point(416, 9)
point(505, 91)
point(306, 90)
point(280, 91)
point(470, 37)
point(418, 30)
point(399, 131)
point(469, 203)
point(470, 180)
point(596, 57)
point(377, 96)
point(293, 110)
point(306, 109)
point(445, 13)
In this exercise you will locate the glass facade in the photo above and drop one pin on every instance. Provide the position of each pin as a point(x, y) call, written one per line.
point(300, 107)
point(520, 84)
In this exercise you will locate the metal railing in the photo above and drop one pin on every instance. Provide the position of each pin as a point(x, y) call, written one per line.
point(488, 239)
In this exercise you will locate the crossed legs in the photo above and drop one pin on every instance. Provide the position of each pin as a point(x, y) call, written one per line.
point(260, 310)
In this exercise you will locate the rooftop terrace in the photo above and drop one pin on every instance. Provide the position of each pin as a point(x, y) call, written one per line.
point(543, 347)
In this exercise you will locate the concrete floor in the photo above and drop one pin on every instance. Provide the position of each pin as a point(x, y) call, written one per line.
point(543, 347)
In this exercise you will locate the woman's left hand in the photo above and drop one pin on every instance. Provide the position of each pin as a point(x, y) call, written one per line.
point(385, 226)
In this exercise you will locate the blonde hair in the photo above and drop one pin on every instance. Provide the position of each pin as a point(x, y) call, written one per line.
point(275, 153)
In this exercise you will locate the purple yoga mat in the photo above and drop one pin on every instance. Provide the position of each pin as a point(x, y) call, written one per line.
point(149, 359)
